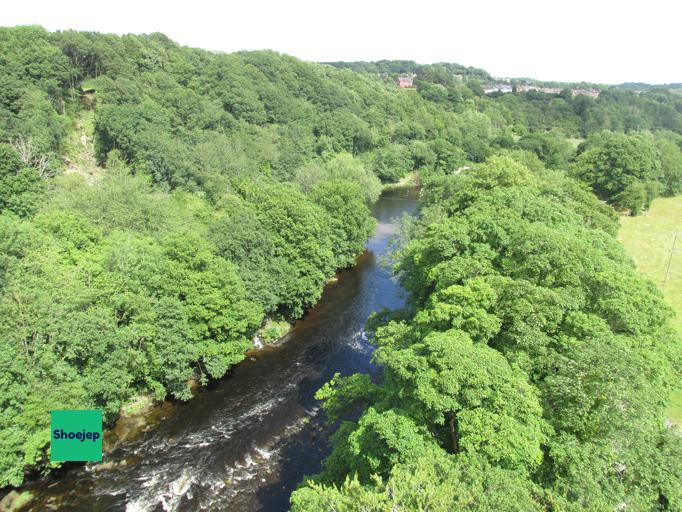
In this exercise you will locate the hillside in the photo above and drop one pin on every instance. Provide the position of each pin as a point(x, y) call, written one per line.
point(641, 86)
point(160, 205)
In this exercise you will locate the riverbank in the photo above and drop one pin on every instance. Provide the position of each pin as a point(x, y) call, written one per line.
point(247, 441)
point(409, 181)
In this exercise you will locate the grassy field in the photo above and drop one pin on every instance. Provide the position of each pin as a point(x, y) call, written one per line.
point(654, 240)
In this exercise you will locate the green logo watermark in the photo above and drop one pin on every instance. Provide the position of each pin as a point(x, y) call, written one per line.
point(76, 435)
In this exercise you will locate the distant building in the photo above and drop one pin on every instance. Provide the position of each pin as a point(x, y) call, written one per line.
point(405, 81)
point(546, 90)
point(592, 93)
point(491, 88)
point(506, 88)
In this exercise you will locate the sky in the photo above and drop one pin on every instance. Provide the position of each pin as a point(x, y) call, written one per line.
point(596, 41)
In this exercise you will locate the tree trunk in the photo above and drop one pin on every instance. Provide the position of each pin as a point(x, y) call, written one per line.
point(454, 434)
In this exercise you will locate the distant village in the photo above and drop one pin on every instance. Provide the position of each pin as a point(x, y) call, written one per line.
point(504, 85)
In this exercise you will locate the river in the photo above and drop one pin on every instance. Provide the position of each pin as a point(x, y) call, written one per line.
point(246, 443)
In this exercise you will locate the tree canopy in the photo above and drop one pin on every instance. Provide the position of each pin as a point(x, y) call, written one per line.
point(531, 371)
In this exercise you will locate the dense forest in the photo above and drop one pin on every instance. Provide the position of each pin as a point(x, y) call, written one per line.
point(159, 204)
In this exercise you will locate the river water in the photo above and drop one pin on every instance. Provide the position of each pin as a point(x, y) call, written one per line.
point(245, 444)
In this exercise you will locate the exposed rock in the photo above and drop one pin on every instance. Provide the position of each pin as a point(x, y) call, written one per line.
point(136, 417)
point(194, 387)
point(15, 501)
point(105, 466)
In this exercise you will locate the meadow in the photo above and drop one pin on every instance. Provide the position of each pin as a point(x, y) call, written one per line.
point(654, 240)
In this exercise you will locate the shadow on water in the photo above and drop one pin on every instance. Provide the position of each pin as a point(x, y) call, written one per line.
point(247, 443)
point(303, 455)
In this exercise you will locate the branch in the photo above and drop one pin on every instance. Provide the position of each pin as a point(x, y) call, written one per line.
point(30, 156)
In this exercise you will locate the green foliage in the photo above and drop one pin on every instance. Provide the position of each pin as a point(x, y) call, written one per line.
point(302, 242)
point(533, 354)
point(551, 147)
point(469, 396)
point(342, 395)
point(94, 314)
point(235, 185)
point(273, 330)
point(374, 444)
point(350, 223)
point(118, 289)
point(622, 169)
point(438, 483)
point(33, 88)
point(342, 166)
point(440, 73)
point(392, 162)
point(241, 237)
point(670, 147)
point(20, 186)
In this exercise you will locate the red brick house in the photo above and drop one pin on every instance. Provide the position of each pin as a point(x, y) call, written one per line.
point(404, 81)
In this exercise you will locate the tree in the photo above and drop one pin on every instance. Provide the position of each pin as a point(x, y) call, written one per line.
point(301, 237)
point(392, 162)
point(20, 186)
point(551, 147)
point(468, 396)
point(350, 221)
point(671, 166)
point(621, 169)
point(342, 166)
point(436, 482)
